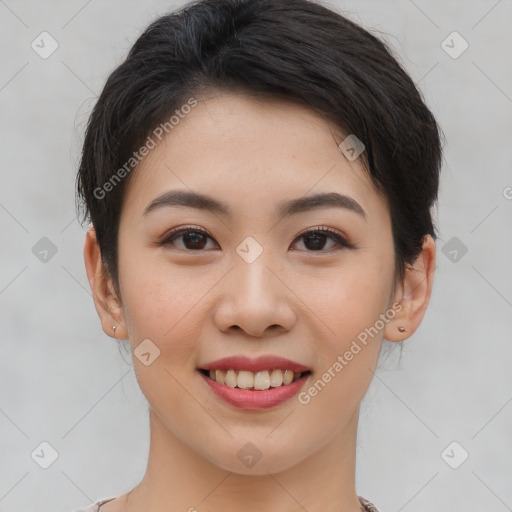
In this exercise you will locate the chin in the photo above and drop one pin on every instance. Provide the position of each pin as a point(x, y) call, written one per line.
point(258, 458)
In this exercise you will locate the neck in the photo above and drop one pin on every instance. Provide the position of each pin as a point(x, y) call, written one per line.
point(178, 476)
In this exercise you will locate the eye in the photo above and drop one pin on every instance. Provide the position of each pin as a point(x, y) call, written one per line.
point(194, 238)
point(315, 239)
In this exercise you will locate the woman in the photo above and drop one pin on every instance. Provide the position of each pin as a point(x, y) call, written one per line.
point(259, 176)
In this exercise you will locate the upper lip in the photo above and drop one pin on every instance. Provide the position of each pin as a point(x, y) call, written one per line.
point(255, 365)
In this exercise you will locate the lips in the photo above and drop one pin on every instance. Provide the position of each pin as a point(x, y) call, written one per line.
point(254, 384)
point(255, 365)
point(250, 399)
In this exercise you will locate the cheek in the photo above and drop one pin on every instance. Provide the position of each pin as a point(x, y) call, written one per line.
point(350, 311)
point(349, 318)
point(164, 309)
point(352, 299)
point(163, 304)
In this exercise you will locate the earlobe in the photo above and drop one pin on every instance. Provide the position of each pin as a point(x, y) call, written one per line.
point(413, 294)
point(106, 302)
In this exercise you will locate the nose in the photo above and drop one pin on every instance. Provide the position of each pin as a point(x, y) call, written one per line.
point(255, 299)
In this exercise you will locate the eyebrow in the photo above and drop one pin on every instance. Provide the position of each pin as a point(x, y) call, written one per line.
point(285, 209)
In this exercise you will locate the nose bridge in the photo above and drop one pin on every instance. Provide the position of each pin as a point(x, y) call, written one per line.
point(254, 299)
point(251, 275)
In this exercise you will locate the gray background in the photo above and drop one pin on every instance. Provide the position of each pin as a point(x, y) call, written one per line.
point(63, 381)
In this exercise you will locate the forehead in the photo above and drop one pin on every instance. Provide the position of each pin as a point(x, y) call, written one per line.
point(250, 152)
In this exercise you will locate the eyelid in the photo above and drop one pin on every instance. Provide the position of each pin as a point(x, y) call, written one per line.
point(187, 227)
point(340, 239)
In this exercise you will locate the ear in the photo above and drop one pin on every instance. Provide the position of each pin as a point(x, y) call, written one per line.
point(106, 302)
point(413, 293)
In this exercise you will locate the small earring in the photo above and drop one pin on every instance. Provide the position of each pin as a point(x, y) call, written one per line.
point(114, 328)
point(401, 329)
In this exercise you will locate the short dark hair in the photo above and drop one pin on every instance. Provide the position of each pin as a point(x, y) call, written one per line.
point(297, 50)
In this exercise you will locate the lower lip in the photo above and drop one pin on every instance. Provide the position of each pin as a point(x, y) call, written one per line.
point(255, 400)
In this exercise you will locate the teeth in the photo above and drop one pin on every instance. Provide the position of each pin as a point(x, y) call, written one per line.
point(288, 377)
point(276, 378)
point(245, 379)
point(219, 376)
point(231, 379)
point(260, 381)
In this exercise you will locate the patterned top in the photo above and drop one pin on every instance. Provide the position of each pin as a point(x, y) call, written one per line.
point(95, 507)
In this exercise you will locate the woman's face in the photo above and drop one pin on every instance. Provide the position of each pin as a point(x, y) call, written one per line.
point(248, 281)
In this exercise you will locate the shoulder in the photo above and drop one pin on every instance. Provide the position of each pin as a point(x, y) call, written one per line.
point(368, 506)
point(95, 507)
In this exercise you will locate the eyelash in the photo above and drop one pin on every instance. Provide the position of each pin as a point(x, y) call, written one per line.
point(331, 233)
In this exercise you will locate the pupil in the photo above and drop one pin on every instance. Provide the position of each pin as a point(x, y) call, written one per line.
point(195, 238)
point(317, 238)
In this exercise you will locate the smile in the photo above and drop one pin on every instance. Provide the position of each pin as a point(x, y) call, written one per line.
point(255, 381)
point(252, 399)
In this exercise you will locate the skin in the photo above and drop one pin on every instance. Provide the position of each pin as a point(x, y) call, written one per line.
point(293, 301)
